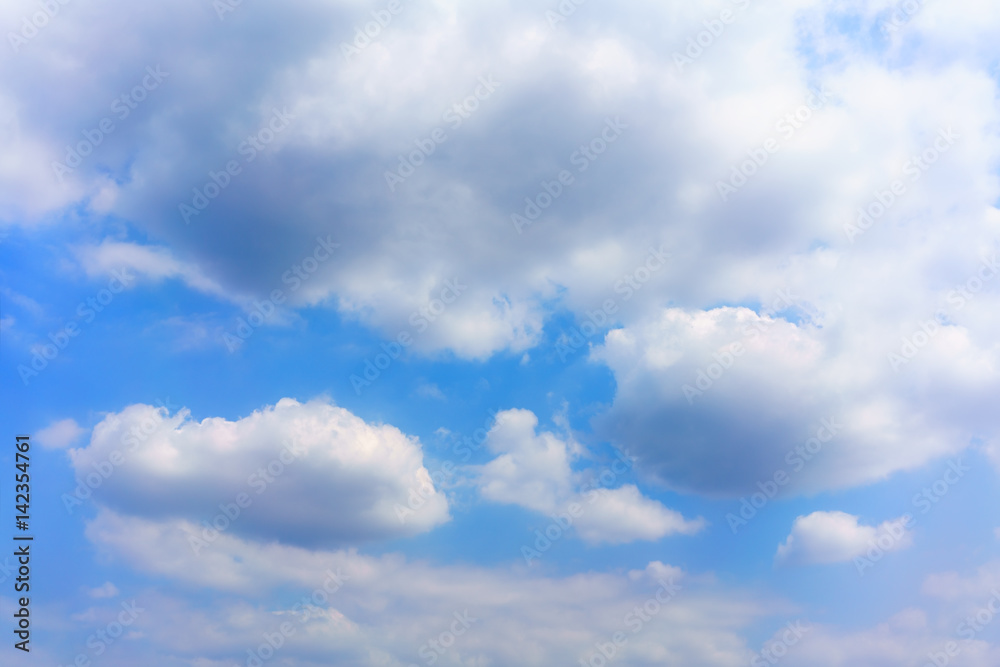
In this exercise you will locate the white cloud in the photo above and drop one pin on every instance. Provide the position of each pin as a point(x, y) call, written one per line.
point(837, 537)
point(345, 484)
point(27, 303)
point(151, 262)
point(105, 590)
point(533, 470)
point(993, 452)
point(971, 587)
point(394, 606)
point(624, 515)
point(698, 387)
point(431, 390)
point(530, 470)
point(60, 434)
point(29, 190)
point(687, 130)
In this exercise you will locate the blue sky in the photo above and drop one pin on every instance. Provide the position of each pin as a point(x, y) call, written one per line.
point(504, 334)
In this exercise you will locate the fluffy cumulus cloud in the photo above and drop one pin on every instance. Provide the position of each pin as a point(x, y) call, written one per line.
point(782, 230)
point(717, 401)
point(534, 470)
point(837, 537)
point(625, 121)
point(880, 336)
point(302, 473)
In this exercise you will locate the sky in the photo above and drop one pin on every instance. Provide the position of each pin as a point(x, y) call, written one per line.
point(501, 333)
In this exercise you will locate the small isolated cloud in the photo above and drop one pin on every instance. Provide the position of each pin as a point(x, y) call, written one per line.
point(59, 435)
point(189, 332)
point(25, 303)
point(655, 571)
point(105, 590)
point(533, 470)
point(430, 390)
point(837, 537)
